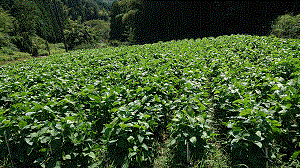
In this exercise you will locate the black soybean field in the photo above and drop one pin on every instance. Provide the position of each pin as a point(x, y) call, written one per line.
point(118, 107)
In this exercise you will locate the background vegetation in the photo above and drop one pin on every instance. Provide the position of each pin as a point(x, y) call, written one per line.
point(34, 26)
point(287, 26)
point(142, 22)
point(30, 27)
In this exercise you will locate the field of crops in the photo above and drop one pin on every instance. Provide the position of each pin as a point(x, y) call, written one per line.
point(116, 106)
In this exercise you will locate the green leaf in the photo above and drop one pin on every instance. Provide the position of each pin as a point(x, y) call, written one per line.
point(239, 101)
point(193, 140)
point(147, 116)
point(295, 154)
point(131, 154)
point(136, 126)
point(27, 117)
point(108, 125)
point(130, 139)
point(123, 126)
point(245, 112)
point(145, 146)
point(140, 138)
point(157, 99)
point(288, 106)
point(139, 89)
point(43, 150)
point(126, 119)
point(22, 124)
point(147, 88)
point(6, 122)
point(275, 123)
point(173, 142)
point(92, 155)
point(70, 118)
point(28, 141)
point(259, 144)
point(47, 109)
point(201, 106)
point(286, 98)
point(66, 157)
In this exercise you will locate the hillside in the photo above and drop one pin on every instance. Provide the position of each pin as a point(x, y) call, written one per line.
point(30, 27)
point(232, 100)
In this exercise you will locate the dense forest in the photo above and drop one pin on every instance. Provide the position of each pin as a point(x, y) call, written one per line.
point(30, 26)
point(152, 21)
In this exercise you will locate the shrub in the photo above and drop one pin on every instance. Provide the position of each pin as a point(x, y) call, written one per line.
point(99, 28)
point(287, 26)
point(77, 34)
point(4, 39)
point(6, 21)
point(25, 44)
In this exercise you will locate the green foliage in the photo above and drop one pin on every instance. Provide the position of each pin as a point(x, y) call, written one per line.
point(99, 28)
point(8, 50)
point(6, 26)
point(6, 21)
point(77, 34)
point(25, 44)
point(188, 129)
point(87, 35)
point(4, 40)
point(287, 26)
point(87, 9)
point(21, 29)
point(125, 15)
point(44, 18)
point(129, 137)
point(26, 14)
point(9, 54)
point(51, 15)
point(114, 106)
point(116, 26)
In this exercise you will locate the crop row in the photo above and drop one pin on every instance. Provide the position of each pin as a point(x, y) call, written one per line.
point(115, 105)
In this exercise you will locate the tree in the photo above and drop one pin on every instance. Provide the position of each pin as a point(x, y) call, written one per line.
point(152, 21)
point(125, 20)
point(116, 26)
point(6, 21)
point(6, 27)
point(25, 13)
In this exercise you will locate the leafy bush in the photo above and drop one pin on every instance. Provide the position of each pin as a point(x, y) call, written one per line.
point(99, 28)
point(190, 134)
point(287, 26)
point(6, 26)
point(4, 40)
point(6, 21)
point(130, 138)
point(77, 34)
point(25, 44)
